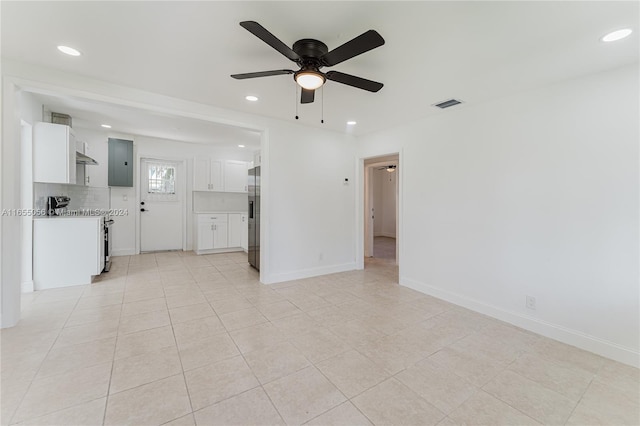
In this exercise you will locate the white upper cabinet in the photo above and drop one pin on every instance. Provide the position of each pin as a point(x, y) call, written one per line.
point(216, 175)
point(235, 176)
point(207, 175)
point(201, 174)
point(54, 153)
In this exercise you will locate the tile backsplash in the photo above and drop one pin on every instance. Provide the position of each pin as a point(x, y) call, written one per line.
point(219, 202)
point(82, 197)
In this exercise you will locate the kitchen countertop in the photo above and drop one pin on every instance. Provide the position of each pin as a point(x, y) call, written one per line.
point(68, 217)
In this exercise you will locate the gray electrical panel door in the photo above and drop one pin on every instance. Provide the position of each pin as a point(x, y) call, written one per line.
point(120, 162)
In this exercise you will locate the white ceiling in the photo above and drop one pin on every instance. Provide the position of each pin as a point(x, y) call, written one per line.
point(474, 51)
point(91, 115)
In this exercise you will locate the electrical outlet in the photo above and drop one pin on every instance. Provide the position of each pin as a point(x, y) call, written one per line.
point(321, 256)
point(531, 303)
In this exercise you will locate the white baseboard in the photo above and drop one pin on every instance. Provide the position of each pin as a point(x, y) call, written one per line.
point(216, 251)
point(27, 286)
point(123, 252)
point(308, 273)
point(557, 332)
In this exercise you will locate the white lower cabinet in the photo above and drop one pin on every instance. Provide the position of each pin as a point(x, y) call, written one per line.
point(244, 232)
point(218, 232)
point(205, 236)
point(212, 231)
point(67, 251)
point(235, 230)
point(220, 235)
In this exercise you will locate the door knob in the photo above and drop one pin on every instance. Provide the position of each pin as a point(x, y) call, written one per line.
point(144, 210)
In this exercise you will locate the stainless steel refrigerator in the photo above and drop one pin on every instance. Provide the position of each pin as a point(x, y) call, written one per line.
point(254, 217)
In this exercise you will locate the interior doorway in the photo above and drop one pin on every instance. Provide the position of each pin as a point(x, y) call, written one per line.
point(381, 208)
point(161, 205)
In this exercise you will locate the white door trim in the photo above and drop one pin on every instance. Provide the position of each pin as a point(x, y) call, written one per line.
point(26, 194)
point(360, 200)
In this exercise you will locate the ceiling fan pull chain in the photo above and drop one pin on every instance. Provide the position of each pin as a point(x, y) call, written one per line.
point(295, 99)
point(322, 106)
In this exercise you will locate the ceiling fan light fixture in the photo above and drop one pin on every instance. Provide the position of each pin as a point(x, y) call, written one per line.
point(391, 169)
point(69, 50)
point(616, 35)
point(309, 79)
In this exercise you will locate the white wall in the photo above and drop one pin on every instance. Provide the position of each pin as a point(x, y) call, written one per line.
point(311, 226)
point(30, 113)
point(17, 107)
point(384, 194)
point(10, 225)
point(389, 204)
point(535, 194)
point(378, 202)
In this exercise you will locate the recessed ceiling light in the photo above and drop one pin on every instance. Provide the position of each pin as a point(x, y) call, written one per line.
point(251, 98)
point(240, 146)
point(617, 35)
point(69, 50)
point(106, 126)
point(352, 123)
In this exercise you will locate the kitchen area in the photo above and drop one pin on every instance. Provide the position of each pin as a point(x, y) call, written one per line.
point(92, 197)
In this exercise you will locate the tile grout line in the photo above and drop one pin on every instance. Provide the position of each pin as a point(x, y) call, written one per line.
point(41, 363)
point(184, 377)
point(347, 399)
point(179, 356)
point(505, 402)
point(260, 385)
point(582, 395)
point(54, 342)
point(45, 357)
point(115, 347)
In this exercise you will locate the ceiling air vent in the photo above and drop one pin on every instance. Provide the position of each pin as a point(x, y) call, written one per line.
point(447, 103)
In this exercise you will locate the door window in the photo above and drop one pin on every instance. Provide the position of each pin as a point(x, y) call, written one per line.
point(160, 181)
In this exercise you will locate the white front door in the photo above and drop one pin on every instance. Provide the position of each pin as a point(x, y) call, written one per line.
point(161, 205)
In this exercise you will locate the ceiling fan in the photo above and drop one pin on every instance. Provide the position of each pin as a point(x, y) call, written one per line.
point(311, 55)
point(390, 168)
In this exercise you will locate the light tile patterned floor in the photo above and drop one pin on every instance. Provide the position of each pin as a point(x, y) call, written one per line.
point(384, 248)
point(178, 339)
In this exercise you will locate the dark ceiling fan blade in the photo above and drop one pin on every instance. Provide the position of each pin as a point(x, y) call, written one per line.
point(261, 74)
point(352, 80)
point(307, 96)
point(357, 46)
point(273, 41)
